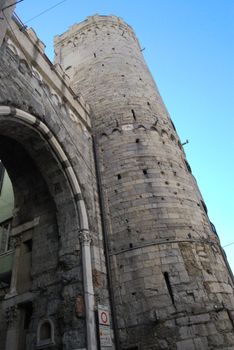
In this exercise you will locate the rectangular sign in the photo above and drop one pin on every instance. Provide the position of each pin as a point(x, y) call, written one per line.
point(105, 337)
point(103, 315)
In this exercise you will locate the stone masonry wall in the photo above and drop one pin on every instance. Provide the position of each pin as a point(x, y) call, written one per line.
point(172, 289)
point(30, 82)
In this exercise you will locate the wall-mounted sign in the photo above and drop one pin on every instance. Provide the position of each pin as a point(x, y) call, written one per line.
point(104, 327)
point(103, 315)
point(105, 336)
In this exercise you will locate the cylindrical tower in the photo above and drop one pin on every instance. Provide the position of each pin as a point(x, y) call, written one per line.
point(172, 289)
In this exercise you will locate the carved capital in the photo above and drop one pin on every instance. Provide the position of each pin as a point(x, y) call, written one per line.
point(11, 314)
point(85, 236)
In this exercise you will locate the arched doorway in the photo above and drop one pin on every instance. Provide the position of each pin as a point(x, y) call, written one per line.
point(49, 266)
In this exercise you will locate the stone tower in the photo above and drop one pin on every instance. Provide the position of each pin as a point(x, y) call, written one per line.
point(169, 277)
point(107, 215)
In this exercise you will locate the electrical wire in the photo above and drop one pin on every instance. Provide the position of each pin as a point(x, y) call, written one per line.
point(227, 245)
point(45, 11)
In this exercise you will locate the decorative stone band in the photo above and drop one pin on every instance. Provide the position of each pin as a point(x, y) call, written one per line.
point(149, 244)
point(28, 119)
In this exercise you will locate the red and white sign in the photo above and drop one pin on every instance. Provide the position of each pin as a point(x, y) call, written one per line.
point(103, 315)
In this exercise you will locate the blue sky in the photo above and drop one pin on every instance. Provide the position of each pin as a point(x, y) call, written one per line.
point(189, 48)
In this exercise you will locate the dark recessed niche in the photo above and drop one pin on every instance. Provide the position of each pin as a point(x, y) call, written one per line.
point(145, 172)
point(94, 55)
point(137, 140)
point(119, 177)
point(130, 245)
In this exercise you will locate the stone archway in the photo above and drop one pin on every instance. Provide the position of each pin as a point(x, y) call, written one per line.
point(50, 214)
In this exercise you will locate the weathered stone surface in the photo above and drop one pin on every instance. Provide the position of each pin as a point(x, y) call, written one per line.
point(170, 286)
point(165, 259)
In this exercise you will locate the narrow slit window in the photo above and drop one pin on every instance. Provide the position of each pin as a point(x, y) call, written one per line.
point(169, 288)
point(118, 176)
point(133, 114)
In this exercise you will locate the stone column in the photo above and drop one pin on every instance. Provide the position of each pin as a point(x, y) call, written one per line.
point(85, 240)
point(12, 318)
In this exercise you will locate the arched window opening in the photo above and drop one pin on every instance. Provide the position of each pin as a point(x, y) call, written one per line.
point(45, 331)
point(45, 334)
